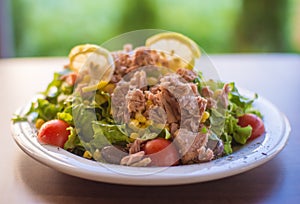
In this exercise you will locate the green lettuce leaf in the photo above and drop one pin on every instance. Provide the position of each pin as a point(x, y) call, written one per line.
point(105, 134)
point(224, 122)
point(73, 139)
point(83, 118)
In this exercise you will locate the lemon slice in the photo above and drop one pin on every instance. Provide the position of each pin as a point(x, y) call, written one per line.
point(97, 61)
point(181, 51)
point(79, 54)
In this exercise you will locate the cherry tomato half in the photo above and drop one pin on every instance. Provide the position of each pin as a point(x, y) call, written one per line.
point(162, 152)
point(255, 122)
point(54, 132)
point(70, 78)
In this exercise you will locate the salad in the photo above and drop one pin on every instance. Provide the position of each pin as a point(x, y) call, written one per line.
point(143, 106)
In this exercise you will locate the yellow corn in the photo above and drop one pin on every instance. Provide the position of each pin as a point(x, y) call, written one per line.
point(205, 116)
point(102, 84)
point(162, 54)
point(134, 124)
point(140, 118)
point(39, 122)
point(95, 87)
point(97, 155)
point(109, 88)
point(134, 135)
point(87, 155)
point(176, 60)
point(90, 88)
point(86, 79)
point(148, 104)
point(149, 122)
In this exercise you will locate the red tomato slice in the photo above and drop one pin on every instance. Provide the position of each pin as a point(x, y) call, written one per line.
point(70, 78)
point(255, 122)
point(54, 132)
point(162, 152)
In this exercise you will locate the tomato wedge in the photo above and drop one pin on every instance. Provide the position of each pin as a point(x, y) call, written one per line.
point(255, 122)
point(162, 152)
point(54, 132)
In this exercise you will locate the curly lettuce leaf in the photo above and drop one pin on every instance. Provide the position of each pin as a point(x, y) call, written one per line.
point(105, 134)
point(83, 118)
point(240, 104)
point(46, 110)
point(224, 122)
point(73, 139)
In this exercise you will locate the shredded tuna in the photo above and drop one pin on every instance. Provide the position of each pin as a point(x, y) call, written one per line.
point(154, 95)
point(138, 80)
point(205, 154)
point(173, 101)
point(173, 128)
point(127, 60)
point(135, 146)
point(119, 107)
point(194, 88)
point(187, 108)
point(208, 94)
point(136, 159)
point(157, 114)
point(213, 100)
point(171, 106)
point(191, 147)
point(223, 97)
point(128, 98)
point(187, 74)
point(135, 100)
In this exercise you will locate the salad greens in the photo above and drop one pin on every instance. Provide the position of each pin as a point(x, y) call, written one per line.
point(92, 125)
point(223, 120)
point(199, 120)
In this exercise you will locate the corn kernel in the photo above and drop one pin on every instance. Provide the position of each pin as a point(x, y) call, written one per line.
point(102, 84)
point(86, 79)
point(149, 103)
point(140, 117)
point(149, 122)
point(90, 88)
point(39, 122)
point(109, 88)
point(176, 60)
point(97, 155)
point(162, 54)
point(87, 155)
point(134, 135)
point(143, 126)
point(205, 116)
point(134, 124)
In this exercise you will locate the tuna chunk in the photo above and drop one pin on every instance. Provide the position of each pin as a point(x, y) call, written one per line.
point(135, 101)
point(187, 74)
point(192, 147)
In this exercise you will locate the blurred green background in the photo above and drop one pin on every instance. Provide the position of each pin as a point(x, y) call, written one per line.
point(53, 27)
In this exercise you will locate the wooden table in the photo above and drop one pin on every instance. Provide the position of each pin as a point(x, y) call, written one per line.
point(24, 180)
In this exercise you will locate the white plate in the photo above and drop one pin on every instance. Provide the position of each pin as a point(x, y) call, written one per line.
point(248, 157)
